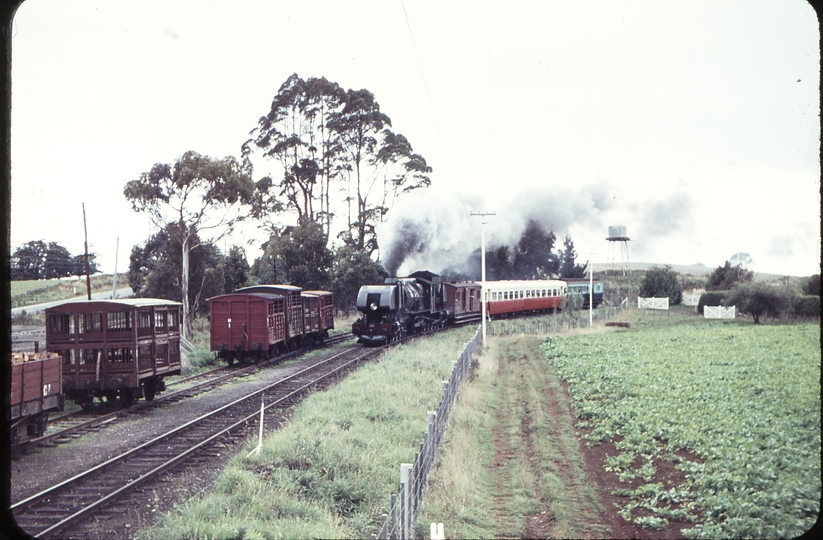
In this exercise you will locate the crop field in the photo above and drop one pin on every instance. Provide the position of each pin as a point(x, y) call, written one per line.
point(735, 407)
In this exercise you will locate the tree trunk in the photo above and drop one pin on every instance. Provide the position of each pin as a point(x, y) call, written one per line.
point(188, 328)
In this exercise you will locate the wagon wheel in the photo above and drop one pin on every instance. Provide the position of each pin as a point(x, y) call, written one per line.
point(149, 390)
point(230, 360)
point(126, 397)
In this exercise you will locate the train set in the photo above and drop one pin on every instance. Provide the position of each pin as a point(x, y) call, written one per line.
point(124, 349)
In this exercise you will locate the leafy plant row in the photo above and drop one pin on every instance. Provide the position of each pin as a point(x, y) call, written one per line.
point(745, 400)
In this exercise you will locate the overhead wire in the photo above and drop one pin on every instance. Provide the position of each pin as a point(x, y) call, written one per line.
point(423, 75)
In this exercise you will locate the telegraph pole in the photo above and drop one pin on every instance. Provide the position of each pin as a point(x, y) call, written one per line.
point(483, 269)
point(86, 244)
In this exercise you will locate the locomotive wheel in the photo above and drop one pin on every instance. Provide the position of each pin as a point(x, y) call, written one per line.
point(149, 390)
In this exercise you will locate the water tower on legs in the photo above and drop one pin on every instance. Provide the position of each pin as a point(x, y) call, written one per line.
point(619, 241)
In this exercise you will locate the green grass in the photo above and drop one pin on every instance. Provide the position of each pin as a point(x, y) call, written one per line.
point(745, 399)
point(26, 293)
point(508, 458)
point(330, 472)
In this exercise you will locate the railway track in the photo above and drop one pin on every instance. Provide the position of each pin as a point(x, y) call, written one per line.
point(57, 511)
point(69, 427)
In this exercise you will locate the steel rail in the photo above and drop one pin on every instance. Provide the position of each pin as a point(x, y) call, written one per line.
point(165, 398)
point(222, 431)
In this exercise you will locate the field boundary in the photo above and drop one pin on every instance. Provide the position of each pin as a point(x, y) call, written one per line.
point(401, 520)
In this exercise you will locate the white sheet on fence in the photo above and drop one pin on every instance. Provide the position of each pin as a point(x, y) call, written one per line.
point(652, 303)
point(718, 312)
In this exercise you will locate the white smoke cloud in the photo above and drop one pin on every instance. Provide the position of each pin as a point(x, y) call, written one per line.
point(423, 231)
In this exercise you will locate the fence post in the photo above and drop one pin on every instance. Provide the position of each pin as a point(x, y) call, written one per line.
point(393, 510)
point(405, 501)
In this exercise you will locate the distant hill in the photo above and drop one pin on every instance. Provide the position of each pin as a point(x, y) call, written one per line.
point(693, 269)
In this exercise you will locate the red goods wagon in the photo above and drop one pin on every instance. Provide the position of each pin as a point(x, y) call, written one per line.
point(36, 389)
point(462, 300)
point(114, 348)
point(325, 301)
point(293, 309)
point(507, 297)
point(247, 325)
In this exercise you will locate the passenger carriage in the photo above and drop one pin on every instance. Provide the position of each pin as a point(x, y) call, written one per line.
point(115, 348)
point(581, 286)
point(506, 297)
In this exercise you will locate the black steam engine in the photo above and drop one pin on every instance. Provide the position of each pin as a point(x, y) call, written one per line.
point(399, 307)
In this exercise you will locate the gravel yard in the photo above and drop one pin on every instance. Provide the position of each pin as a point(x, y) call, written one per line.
point(44, 467)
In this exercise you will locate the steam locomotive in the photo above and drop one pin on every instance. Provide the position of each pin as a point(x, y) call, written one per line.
point(421, 301)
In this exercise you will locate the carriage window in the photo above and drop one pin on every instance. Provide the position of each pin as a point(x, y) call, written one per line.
point(120, 355)
point(521, 294)
point(161, 321)
point(92, 323)
point(61, 324)
point(68, 357)
point(118, 320)
point(88, 356)
point(528, 294)
point(144, 319)
point(173, 319)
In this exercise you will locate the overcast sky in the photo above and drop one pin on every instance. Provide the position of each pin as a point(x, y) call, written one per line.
point(693, 123)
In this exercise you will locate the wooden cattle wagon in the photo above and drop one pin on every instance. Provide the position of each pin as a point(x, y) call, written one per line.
point(293, 308)
point(318, 314)
point(247, 326)
point(115, 348)
point(36, 389)
point(462, 300)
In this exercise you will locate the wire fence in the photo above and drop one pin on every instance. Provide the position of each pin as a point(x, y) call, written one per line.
point(399, 523)
point(555, 322)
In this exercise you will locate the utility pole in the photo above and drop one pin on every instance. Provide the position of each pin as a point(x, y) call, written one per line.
point(483, 270)
point(86, 244)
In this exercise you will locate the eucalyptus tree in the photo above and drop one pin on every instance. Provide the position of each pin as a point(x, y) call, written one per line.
point(203, 196)
point(319, 134)
point(376, 158)
point(294, 133)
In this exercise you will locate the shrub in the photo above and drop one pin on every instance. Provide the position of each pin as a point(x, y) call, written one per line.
point(727, 277)
point(662, 282)
point(812, 286)
point(710, 298)
point(758, 299)
point(806, 306)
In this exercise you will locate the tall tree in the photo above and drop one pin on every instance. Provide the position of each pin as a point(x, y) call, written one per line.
point(376, 158)
point(568, 267)
point(302, 256)
point(200, 195)
point(352, 269)
point(40, 260)
point(234, 269)
point(155, 269)
point(295, 134)
point(533, 257)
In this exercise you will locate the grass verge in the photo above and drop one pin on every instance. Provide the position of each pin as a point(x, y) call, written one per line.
point(511, 466)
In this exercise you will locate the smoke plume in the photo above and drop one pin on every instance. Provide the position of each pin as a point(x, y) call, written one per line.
point(430, 232)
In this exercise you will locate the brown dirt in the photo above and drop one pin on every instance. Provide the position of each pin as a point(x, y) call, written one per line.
point(590, 518)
